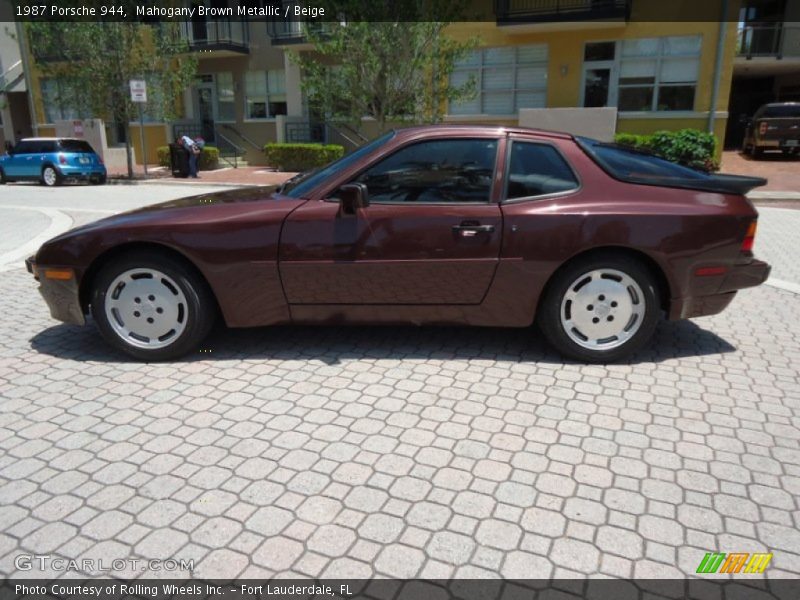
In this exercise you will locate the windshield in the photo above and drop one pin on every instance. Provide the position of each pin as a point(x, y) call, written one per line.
point(630, 164)
point(781, 111)
point(300, 186)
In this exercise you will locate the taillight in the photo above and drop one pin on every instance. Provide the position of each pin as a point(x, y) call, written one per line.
point(62, 159)
point(762, 128)
point(749, 238)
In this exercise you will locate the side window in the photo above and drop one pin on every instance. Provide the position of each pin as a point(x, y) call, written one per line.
point(536, 170)
point(46, 147)
point(437, 171)
point(23, 148)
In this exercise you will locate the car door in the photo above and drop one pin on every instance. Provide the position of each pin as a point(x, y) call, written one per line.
point(430, 235)
point(19, 163)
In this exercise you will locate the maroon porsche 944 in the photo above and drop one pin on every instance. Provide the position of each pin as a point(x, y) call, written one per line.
point(448, 225)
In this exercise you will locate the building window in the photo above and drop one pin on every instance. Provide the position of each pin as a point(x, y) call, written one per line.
point(225, 97)
point(507, 79)
point(265, 94)
point(57, 100)
point(642, 75)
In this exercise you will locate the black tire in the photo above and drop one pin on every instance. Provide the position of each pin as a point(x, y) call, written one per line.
point(2, 177)
point(47, 179)
point(549, 314)
point(757, 153)
point(200, 306)
point(99, 180)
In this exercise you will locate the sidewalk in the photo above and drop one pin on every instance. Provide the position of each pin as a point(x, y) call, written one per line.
point(226, 176)
point(783, 175)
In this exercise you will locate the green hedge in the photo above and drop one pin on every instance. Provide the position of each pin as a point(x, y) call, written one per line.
point(690, 147)
point(301, 157)
point(209, 157)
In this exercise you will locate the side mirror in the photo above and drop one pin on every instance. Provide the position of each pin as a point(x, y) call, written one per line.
point(352, 196)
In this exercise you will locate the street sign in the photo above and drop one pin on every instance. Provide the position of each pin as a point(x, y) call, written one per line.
point(138, 90)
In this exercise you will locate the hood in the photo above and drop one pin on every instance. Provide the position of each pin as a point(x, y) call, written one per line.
point(248, 194)
point(253, 203)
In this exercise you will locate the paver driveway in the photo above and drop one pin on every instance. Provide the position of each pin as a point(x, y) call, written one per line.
point(404, 452)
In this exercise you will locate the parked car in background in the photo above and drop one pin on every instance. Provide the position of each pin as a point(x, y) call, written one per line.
point(52, 161)
point(775, 126)
point(442, 225)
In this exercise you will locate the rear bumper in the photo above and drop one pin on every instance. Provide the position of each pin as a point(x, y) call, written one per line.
point(738, 278)
point(61, 296)
point(83, 173)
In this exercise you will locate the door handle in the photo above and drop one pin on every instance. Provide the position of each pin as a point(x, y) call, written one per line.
point(471, 230)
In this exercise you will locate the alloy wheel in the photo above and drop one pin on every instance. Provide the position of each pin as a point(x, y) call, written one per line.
point(602, 309)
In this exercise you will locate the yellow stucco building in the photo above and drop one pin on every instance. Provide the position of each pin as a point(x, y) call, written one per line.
point(659, 73)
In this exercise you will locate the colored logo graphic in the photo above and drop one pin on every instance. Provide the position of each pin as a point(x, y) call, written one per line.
point(736, 562)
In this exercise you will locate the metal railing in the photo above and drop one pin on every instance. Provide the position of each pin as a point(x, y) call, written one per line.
point(10, 78)
point(229, 151)
point(230, 34)
point(554, 10)
point(241, 136)
point(299, 132)
point(777, 40)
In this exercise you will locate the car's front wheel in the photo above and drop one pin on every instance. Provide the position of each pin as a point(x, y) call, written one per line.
point(152, 307)
point(601, 308)
point(51, 177)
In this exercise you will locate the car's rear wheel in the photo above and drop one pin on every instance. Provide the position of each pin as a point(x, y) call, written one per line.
point(2, 177)
point(50, 176)
point(152, 307)
point(98, 180)
point(600, 308)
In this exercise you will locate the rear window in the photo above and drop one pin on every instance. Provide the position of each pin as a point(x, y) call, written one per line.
point(632, 165)
point(75, 146)
point(781, 112)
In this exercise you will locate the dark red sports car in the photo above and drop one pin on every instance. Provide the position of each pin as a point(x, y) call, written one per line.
point(471, 225)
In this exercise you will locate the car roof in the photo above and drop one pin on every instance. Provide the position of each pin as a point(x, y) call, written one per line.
point(483, 129)
point(780, 104)
point(52, 139)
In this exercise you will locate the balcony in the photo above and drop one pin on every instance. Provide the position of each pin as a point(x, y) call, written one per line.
point(767, 49)
point(538, 15)
point(771, 40)
point(285, 33)
point(292, 33)
point(219, 37)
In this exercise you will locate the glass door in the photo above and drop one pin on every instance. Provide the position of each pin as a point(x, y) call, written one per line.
point(205, 111)
point(599, 89)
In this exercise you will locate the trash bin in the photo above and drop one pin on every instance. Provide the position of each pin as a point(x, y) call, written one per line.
point(178, 160)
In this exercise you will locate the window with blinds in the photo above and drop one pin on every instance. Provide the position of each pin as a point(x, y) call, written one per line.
point(507, 79)
point(265, 94)
point(225, 97)
point(659, 74)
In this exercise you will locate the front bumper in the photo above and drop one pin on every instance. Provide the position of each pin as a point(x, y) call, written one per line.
point(61, 295)
point(724, 289)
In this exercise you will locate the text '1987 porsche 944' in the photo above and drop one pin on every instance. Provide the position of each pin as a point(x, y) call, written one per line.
point(466, 225)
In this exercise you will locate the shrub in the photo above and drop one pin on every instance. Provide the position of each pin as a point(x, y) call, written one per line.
point(690, 147)
point(209, 157)
point(301, 157)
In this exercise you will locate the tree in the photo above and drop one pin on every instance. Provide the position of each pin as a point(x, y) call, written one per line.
point(93, 63)
point(389, 61)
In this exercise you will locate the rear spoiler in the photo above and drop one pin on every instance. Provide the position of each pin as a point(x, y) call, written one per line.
point(720, 184)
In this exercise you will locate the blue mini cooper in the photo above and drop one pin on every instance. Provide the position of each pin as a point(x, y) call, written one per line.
point(52, 161)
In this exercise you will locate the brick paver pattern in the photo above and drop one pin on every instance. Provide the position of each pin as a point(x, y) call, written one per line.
point(403, 452)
